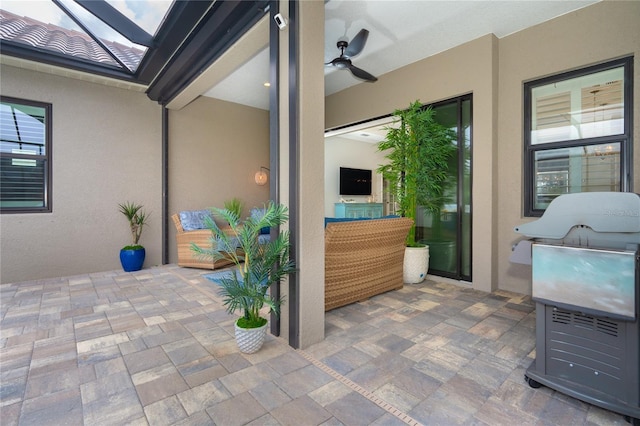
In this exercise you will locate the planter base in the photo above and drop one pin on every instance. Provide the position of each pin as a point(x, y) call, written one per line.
point(250, 340)
point(416, 264)
point(132, 260)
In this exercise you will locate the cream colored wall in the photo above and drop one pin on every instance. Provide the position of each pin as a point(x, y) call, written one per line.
point(106, 150)
point(287, 322)
point(604, 31)
point(309, 232)
point(444, 76)
point(215, 149)
point(343, 152)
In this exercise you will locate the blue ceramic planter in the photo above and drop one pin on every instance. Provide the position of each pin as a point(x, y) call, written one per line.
point(132, 260)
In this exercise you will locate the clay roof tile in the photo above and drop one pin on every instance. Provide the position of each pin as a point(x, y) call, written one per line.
point(65, 41)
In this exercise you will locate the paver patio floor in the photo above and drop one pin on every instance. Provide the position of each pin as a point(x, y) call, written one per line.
point(156, 347)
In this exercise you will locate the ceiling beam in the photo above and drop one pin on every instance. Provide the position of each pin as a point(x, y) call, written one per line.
point(116, 20)
point(182, 18)
point(218, 30)
point(28, 53)
point(249, 45)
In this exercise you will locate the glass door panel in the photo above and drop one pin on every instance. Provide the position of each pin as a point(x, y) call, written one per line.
point(448, 233)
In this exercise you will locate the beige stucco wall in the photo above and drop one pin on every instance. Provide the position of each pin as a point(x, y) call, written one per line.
point(599, 33)
point(106, 150)
point(215, 149)
point(494, 71)
point(310, 184)
point(444, 76)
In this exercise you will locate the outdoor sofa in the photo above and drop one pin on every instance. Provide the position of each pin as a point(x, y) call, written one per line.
point(362, 258)
point(190, 229)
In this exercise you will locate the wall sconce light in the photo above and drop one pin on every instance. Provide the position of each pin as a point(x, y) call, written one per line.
point(261, 176)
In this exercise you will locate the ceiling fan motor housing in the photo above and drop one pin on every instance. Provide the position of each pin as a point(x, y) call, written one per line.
point(343, 61)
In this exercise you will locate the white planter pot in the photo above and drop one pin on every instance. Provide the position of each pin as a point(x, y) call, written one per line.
point(416, 264)
point(250, 340)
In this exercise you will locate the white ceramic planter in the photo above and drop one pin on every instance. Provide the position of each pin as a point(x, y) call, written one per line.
point(416, 264)
point(250, 340)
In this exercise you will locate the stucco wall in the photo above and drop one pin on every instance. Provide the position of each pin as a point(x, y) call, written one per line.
point(599, 33)
point(215, 149)
point(310, 179)
point(443, 76)
point(106, 150)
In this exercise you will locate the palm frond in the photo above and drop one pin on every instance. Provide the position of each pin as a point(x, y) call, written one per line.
point(137, 218)
point(258, 265)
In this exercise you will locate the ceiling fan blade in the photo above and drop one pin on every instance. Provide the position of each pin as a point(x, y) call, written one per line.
point(357, 44)
point(360, 73)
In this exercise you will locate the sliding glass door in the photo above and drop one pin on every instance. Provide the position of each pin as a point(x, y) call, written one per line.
point(448, 233)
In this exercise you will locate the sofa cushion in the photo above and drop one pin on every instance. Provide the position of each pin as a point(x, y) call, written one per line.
point(342, 219)
point(352, 219)
point(194, 219)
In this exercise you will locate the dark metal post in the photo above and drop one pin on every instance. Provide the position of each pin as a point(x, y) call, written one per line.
point(294, 295)
point(165, 185)
point(274, 133)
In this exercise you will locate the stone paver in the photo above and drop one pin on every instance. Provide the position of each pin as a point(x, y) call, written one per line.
point(156, 347)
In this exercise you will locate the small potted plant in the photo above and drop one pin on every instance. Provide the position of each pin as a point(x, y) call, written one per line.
point(258, 266)
point(132, 256)
point(234, 206)
point(419, 150)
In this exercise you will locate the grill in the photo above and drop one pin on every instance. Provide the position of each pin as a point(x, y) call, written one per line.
point(584, 254)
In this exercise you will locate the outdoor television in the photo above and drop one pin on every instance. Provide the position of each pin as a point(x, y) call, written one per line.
point(355, 181)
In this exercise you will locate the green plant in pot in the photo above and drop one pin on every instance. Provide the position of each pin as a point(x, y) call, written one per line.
point(259, 264)
point(234, 206)
point(418, 150)
point(132, 256)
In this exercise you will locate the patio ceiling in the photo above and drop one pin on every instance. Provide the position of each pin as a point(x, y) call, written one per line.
point(401, 32)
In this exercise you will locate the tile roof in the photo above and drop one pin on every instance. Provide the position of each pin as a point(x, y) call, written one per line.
point(64, 41)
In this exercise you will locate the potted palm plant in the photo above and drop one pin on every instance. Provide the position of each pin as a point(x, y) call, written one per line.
point(258, 266)
point(418, 152)
point(132, 256)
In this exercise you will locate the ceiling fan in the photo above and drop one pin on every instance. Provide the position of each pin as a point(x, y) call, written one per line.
point(349, 50)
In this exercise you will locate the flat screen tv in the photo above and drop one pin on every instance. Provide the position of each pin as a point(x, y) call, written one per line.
point(355, 181)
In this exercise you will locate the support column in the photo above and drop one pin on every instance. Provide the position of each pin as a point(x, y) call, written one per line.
point(302, 166)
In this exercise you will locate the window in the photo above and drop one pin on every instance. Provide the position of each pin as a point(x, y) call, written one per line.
point(578, 133)
point(25, 156)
